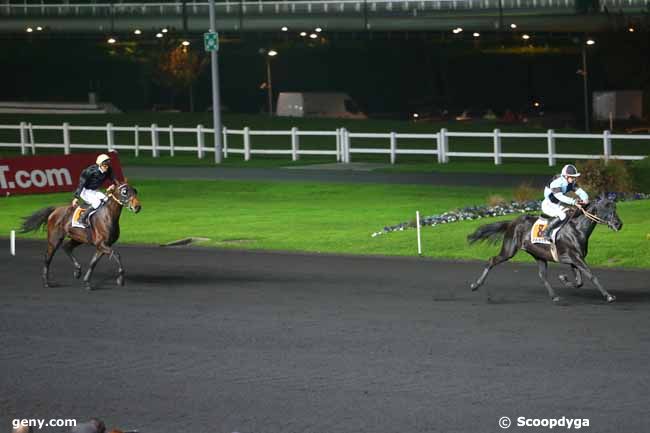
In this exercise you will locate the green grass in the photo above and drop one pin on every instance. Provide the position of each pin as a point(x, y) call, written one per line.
point(258, 122)
point(327, 218)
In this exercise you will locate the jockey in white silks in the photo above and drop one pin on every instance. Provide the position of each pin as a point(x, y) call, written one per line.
point(91, 179)
point(555, 198)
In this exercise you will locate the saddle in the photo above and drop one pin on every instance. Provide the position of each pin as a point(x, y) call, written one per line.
point(78, 212)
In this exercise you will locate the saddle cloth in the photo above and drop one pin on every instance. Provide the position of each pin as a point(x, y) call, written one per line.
point(536, 233)
point(537, 238)
point(76, 215)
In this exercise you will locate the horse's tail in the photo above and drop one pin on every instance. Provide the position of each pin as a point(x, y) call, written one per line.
point(36, 220)
point(489, 232)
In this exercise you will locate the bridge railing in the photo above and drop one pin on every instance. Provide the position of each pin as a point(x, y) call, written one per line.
point(327, 7)
point(157, 139)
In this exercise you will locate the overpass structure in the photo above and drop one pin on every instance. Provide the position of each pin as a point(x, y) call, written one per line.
point(330, 15)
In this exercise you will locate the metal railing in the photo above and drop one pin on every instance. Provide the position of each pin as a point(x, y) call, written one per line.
point(341, 146)
point(330, 7)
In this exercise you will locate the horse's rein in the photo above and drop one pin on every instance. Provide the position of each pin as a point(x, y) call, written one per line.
point(594, 218)
point(115, 198)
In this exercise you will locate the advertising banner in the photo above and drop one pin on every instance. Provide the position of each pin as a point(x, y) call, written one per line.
point(45, 174)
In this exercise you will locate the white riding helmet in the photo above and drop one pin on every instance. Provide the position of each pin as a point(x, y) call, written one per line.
point(102, 158)
point(570, 170)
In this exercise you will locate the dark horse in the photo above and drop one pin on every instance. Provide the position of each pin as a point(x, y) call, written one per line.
point(571, 243)
point(104, 232)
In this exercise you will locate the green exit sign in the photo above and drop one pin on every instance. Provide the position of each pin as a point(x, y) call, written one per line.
point(211, 41)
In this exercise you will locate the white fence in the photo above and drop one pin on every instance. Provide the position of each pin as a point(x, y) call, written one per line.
point(341, 147)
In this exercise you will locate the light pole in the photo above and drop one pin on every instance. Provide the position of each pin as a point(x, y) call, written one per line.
point(269, 82)
point(216, 105)
point(585, 80)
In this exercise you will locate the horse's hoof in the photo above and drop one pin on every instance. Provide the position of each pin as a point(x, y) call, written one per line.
point(474, 287)
point(77, 274)
point(89, 287)
point(558, 301)
point(611, 298)
point(120, 281)
point(563, 278)
point(46, 285)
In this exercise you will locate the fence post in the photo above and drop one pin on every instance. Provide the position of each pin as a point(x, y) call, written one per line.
point(110, 137)
point(225, 142)
point(31, 138)
point(346, 146)
point(137, 140)
point(442, 146)
point(338, 144)
point(393, 147)
point(295, 144)
point(550, 138)
point(154, 140)
point(66, 138)
point(497, 147)
point(23, 138)
point(607, 146)
point(171, 140)
point(200, 141)
point(247, 143)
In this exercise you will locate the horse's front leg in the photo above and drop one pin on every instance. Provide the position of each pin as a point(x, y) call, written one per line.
point(584, 268)
point(111, 253)
point(576, 274)
point(91, 267)
point(120, 268)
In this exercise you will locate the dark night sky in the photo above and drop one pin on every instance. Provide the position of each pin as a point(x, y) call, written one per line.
point(385, 75)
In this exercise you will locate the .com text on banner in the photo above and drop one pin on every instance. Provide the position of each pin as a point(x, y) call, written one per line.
point(45, 174)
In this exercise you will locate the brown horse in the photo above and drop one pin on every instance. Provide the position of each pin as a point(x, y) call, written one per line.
point(104, 231)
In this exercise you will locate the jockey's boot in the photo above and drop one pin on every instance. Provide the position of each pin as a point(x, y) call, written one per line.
point(84, 220)
point(552, 225)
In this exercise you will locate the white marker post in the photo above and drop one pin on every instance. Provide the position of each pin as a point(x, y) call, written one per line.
point(12, 242)
point(417, 222)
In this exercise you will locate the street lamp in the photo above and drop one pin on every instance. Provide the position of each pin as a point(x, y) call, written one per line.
point(585, 80)
point(269, 54)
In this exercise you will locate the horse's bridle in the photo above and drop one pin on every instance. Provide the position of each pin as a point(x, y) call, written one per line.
point(596, 218)
point(118, 201)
